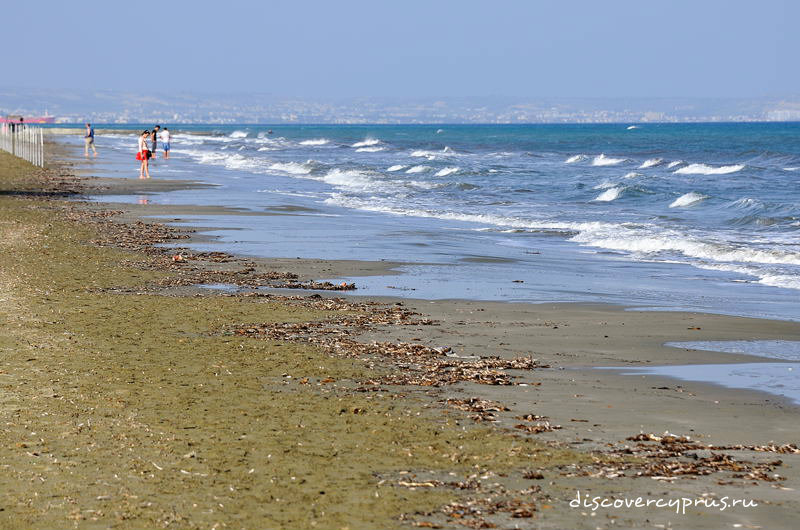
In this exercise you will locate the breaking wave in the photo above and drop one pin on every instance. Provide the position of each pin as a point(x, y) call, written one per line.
point(687, 199)
point(367, 142)
point(609, 195)
point(430, 155)
point(704, 169)
point(397, 167)
point(418, 169)
point(317, 141)
point(371, 149)
point(603, 160)
point(651, 162)
point(575, 158)
point(238, 134)
point(447, 171)
point(293, 168)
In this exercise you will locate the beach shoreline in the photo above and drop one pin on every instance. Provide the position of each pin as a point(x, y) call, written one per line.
point(593, 408)
point(610, 336)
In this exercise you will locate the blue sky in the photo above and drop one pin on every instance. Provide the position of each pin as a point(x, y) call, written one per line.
point(409, 48)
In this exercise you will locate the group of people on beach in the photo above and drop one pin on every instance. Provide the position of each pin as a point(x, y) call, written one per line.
point(148, 147)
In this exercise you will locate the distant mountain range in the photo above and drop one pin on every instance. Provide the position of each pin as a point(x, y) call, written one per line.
point(114, 106)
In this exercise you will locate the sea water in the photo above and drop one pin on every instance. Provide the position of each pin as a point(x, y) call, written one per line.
point(699, 217)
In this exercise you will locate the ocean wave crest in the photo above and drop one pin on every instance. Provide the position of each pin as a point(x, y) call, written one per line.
point(315, 141)
point(447, 171)
point(651, 162)
point(704, 169)
point(293, 168)
point(603, 160)
point(687, 199)
point(370, 149)
point(609, 195)
point(367, 142)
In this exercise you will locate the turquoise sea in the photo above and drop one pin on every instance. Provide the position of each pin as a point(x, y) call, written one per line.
point(672, 216)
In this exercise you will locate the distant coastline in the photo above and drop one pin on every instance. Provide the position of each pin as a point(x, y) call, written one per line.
point(110, 106)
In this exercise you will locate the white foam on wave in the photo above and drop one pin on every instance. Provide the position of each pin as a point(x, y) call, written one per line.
point(704, 169)
point(418, 169)
point(687, 199)
point(397, 167)
point(447, 171)
point(575, 158)
point(603, 160)
point(771, 277)
point(632, 175)
point(641, 241)
point(293, 168)
point(609, 195)
point(746, 203)
point(367, 142)
point(238, 134)
point(315, 141)
point(272, 143)
point(350, 178)
point(373, 149)
point(632, 127)
point(781, 280)
point(791, 168)
point(651, 162)
point(487, 219)
point(675, 163)
point(651, 240)
point(430, 155)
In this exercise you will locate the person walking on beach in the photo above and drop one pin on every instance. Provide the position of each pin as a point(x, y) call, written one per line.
point(155, 139)
point(165, 142)
point(144, 155)
point(88, 139)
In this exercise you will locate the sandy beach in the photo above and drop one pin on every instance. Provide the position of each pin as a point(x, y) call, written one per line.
point(134, 397)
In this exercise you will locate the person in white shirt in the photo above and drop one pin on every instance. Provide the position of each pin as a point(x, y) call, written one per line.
point(165, 142)
point(144, 155)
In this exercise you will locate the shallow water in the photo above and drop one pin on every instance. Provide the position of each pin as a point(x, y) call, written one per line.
point(702, 217)
point(788, 350)
point(782, 379)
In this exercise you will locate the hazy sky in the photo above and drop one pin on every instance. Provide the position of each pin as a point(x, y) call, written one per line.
point(408, 47)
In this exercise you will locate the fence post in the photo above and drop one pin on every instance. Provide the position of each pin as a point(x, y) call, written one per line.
point(23, 141)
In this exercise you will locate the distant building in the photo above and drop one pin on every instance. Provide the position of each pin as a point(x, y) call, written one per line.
point(784, 115)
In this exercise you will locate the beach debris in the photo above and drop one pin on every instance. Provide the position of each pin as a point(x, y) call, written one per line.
point(668, 457)
point(483, 409)
point(544, 426)
point(417, 364)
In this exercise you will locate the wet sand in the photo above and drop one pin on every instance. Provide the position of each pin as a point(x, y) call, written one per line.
point(594, 408)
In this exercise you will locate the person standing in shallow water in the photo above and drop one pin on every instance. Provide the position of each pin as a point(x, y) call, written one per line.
point(165, 142)
point(155, 140)
point(144, 155)
point(88, 139)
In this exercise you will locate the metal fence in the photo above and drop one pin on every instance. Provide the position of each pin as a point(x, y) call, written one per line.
point(24, 141)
